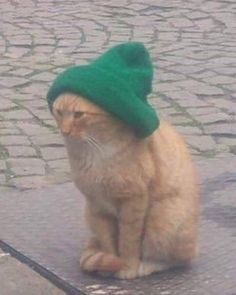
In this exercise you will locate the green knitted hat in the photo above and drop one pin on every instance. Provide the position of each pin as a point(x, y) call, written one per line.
point(118, 81)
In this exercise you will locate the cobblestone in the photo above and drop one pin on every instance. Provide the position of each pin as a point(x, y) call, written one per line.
point(17, 115)
point(213, 118)
point(218, 129)
point(33, 129)
point(22, 167)
point(50, 153)
point(6, 104)
point(12, 81)
point(48, 140)
point(204, 144)
point(2, 166)
point(31, 182)
point(11, 140)
point(25, 151)
point(192, 46)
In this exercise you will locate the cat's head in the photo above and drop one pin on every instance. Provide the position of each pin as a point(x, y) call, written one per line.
point(77, 117)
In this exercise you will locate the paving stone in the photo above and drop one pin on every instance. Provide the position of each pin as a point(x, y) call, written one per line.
point(43, 114)
point(221, 80)
point(2, 166)
point(197, 15)
point(45, 41)
point(213, 118)
point(187, 101)
point(18, 279)
point(60, 165)
point(5, 68)
point(180, 120)
point(28, 166)
point(47, 77)
point(205, 24)
point(205, 74)
point(17, 115)
point(35, 89)
point(227, 140)
point(48, 140)
point(201, 143)
point(33, 182)
point(200, 88)
point(24, 151)
point(185, 69)
point(16, 52)
point(7, 124)
point(171, 77)
point(50, 153)
point(202, 111)
point(11, 140)
point(6, 104)
point(21, 72)
point(169, 112)
point(38, 103)
point(181, 22)
point(19, 40)
point(226, 71)
point(159, 103)
point(162, 87)
point(6, 131)
point(218, 129)
point(224, 104)
point(2, 181)
point(33, 129)
point(188, 130)
point(12, 81)
point(44, 49)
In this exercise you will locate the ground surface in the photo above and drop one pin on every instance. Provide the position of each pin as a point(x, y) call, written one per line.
point(192, 44)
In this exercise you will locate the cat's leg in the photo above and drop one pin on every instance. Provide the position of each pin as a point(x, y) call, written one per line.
point(170, 236)
point(93, 259)
point(104, 229)
point(100, 253)
point(131, 228)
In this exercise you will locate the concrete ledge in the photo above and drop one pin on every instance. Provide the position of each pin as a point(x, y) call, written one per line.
point(47, 226)
point(17, 278)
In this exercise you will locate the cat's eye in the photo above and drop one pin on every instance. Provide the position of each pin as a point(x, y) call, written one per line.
point(78, 115)
point(59, 112)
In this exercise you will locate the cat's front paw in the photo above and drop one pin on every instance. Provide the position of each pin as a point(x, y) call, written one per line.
point(129, 271)
point(100, 262)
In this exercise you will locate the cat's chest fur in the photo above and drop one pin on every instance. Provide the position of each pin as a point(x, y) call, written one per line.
point(98, 174)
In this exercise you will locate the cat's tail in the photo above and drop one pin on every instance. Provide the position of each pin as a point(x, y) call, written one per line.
point(94, 259)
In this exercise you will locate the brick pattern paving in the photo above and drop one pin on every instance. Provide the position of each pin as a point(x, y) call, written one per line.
point(192, 43)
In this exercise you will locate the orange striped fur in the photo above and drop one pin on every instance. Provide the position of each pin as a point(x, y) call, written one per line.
point(141, 194)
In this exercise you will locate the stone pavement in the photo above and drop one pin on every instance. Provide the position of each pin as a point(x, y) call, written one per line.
point(17, 278)
point(49, 228)
point(192, 43)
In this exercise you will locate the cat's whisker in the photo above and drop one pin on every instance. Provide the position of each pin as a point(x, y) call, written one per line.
point(93, 143)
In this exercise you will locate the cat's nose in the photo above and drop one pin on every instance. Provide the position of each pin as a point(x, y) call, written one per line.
point(65, 130)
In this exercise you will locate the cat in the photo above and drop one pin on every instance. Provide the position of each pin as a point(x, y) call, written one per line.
point(141, 194)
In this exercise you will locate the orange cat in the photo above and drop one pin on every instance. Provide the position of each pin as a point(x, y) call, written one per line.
point(141, 194)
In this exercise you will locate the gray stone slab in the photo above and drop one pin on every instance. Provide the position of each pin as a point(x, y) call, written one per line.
point(18, 279)
point(47, 225)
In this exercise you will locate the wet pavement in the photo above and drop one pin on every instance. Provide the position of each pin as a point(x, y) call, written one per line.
point(193, 45)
